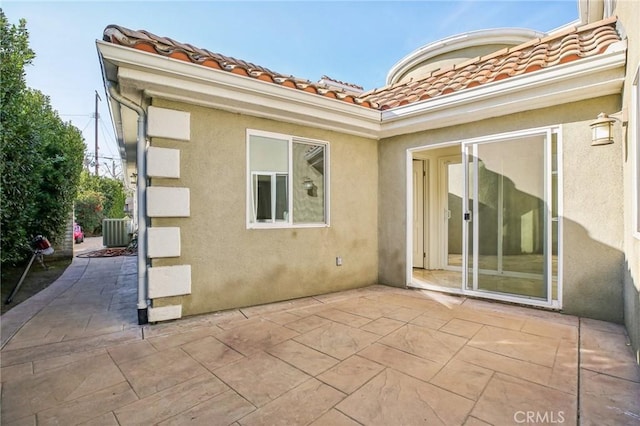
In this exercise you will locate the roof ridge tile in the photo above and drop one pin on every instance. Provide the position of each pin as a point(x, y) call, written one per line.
point(559, 34)
point(465, 64)
point(597, 24)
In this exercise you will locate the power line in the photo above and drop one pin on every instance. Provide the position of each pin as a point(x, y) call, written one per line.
point(96, 118)
point(106, 135)
point(86, 125)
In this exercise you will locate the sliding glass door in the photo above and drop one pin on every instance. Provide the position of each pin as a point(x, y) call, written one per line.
point(509, 243)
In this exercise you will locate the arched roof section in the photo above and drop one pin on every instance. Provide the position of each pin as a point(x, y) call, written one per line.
point(456, 49)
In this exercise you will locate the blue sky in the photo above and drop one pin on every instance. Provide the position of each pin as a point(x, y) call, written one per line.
point(356, 42)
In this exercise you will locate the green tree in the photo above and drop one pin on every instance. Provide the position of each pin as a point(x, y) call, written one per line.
point(61, 148)
point(115, 197)
point(89, 210)
point(41, 156)
point(18, 152)
point(112, 201)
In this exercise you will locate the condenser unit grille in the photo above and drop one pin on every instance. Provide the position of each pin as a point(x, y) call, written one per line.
point(116, 232)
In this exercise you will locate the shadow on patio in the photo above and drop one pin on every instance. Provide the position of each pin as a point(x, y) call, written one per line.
point(376, 355)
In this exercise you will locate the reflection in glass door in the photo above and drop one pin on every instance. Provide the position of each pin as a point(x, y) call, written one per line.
point(454, 178)
point(509, 192)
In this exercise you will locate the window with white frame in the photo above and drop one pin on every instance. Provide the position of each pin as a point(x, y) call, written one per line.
point(287, 181)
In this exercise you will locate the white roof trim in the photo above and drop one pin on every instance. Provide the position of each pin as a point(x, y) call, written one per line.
point(193, 83)
point(158, 76)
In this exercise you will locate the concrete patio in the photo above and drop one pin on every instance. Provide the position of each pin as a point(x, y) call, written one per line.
point(73, 354)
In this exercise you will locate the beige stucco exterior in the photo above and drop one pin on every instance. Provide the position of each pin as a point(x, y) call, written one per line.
point(593, 234)
point(629, 15)
point(212, 260)
point(232, 266)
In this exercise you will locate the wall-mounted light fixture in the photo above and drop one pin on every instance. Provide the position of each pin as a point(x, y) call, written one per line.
point(310, 187)
point(602, 130)
point(307, 184)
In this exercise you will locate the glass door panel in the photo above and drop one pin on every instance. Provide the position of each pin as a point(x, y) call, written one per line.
point(469, 192)
point(555, 220)
point(508, 197)
point(453, 213)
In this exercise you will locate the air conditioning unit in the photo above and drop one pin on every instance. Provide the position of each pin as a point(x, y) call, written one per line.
point(116, 232)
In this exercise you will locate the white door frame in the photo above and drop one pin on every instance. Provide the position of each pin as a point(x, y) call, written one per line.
point(444, 211)
point(548, 131)
point(409, 202)
point(420, 193)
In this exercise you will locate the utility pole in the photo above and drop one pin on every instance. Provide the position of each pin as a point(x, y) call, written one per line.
point(97, 116)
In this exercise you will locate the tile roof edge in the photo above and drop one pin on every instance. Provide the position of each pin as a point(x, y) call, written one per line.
point(601, 23)
point(355, 86)
point(562, 33)
point(167, 47)
point(501, 52)
point(395, 95)
point(552, 36)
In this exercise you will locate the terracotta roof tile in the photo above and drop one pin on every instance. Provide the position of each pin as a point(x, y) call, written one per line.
point(565, 46)
point(355, 86)
point(164, 46)
point(559, 34)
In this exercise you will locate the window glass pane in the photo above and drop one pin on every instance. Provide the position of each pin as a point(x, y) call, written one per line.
point(288, 180)
point(308, 189)
point(269, 154)
point(282, 200)
point(262, 197)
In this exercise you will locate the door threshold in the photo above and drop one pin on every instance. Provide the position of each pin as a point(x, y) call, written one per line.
point(531, 303)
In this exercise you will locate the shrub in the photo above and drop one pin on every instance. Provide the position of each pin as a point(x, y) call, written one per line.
point(90, 212)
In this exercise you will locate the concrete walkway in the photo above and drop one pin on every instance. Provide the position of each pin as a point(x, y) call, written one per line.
point(73, 354)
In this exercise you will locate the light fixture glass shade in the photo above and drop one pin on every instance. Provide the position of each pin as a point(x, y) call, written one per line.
point(602, 130)
point(307, 184)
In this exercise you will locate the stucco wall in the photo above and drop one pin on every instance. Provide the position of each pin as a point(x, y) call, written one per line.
point(629, 15)
point(232, 266)
point(593, 229)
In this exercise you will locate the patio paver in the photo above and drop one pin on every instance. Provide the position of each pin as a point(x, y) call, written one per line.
point(371, 356)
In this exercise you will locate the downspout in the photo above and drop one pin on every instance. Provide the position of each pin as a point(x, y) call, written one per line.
point(141, 159)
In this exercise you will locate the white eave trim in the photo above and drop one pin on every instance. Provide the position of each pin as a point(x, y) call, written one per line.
point(184, 81)
point(171, 79)
point(587, 78)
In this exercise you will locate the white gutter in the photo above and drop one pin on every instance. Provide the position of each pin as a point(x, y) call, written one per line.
point(141, 148)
